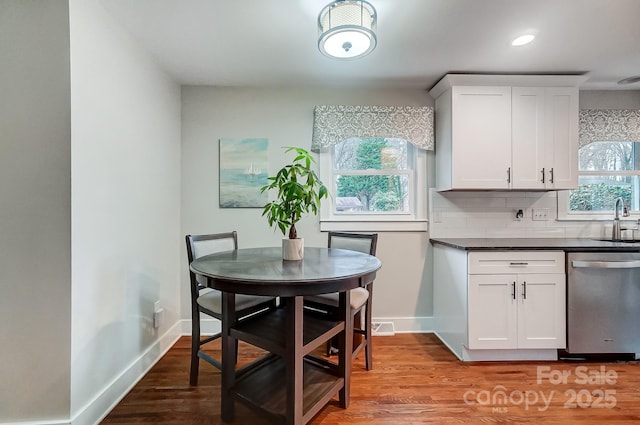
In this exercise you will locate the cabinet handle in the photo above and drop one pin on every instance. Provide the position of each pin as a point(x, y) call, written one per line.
point(524, 290)
point(542, 176)
point(521, 263)
point(551, 175)
point(509, 175)
point(513, 291)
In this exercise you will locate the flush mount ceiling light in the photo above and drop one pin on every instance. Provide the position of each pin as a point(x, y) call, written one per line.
point(347, 29)
point(523, 39)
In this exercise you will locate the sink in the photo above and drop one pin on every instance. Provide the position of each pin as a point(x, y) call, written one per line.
point(621, 241)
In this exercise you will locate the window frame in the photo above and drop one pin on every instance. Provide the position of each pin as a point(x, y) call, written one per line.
point(565, 214)
point(415, 220)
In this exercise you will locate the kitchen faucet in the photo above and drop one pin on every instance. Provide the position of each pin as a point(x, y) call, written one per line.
point(616, 235)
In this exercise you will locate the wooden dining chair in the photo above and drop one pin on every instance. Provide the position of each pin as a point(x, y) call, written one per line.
point(361, 298)
point(209, 301)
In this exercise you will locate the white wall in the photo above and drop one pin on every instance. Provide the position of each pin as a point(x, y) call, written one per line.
point(125, 154)
point(35, 206)
point(285, 117)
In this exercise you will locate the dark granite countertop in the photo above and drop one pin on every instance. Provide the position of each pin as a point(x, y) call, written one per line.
point(565, 244)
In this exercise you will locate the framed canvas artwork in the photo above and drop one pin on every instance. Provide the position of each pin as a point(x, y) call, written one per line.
point(244, 166)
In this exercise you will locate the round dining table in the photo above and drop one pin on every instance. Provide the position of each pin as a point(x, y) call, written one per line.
point(285, 384)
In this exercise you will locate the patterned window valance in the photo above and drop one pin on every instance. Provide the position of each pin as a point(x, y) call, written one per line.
point(334, 123)
point(600, 125)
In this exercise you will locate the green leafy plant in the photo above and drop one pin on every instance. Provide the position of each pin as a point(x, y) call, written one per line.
point(598, 197)
point(299, 191)
point(385, 201)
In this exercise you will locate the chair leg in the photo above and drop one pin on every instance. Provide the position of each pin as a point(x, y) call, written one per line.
point(195, 347)
point(368, 351)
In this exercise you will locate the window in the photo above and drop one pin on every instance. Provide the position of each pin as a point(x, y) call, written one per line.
point(608, 165)
point(606, 171)
point(378, 180)
point(375, 183)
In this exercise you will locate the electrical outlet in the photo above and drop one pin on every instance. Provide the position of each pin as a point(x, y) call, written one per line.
point(540, 214)
point(158, 315)
point(158, 318)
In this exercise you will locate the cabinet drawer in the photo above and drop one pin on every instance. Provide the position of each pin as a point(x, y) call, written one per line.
point(516, 262)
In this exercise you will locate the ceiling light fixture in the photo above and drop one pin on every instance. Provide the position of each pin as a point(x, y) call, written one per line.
point(523, 39)
point(347, 29)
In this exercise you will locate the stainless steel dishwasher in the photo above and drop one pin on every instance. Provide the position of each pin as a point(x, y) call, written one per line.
point(603, 303)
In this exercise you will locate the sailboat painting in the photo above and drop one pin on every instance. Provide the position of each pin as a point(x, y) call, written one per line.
point(244, 165)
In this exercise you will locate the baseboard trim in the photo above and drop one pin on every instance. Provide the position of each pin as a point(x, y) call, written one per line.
point(207, 326)
point(408, 324)
point(41, 422)
point(100, 406)
point(400, 325)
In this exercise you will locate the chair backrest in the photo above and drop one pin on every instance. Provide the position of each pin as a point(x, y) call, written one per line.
point(361, 242)
point(200, 245)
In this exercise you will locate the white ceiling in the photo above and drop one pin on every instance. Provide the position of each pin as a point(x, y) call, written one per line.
point(274, 42)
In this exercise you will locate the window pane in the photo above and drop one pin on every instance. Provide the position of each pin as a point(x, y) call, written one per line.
point(607, 156)
point(371, 153)
point(598, 193)
point(372, 193)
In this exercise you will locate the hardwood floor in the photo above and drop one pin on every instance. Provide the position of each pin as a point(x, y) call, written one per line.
point(415, 380)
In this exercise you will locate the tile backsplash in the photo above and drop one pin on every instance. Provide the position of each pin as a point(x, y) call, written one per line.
point(493, 215)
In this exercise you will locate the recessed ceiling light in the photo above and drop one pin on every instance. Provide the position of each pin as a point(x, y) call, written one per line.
point(523, 39)
point(630, 80)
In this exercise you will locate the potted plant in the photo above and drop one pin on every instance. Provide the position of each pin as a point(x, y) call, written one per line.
point(299, 191)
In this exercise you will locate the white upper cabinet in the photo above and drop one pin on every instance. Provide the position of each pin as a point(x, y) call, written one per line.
point(481, 128)
point(561, 141)
point(528, 137)
point(544, 137)
point(506, 132)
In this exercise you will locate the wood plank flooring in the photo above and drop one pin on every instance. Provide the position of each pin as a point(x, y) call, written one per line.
point(415, 380)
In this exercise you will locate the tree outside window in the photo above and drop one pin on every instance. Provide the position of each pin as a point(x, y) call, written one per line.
point(372, 175)
point(607, 170)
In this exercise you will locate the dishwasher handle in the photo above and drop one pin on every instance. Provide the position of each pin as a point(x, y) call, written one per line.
point(633, 264)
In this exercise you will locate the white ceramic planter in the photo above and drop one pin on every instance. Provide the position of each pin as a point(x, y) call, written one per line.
point(292, 249)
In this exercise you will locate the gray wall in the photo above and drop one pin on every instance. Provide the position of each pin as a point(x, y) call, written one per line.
point(35, 210)
point(285, 116)
point(89, 212)
point(125, 209)
point(610, 99)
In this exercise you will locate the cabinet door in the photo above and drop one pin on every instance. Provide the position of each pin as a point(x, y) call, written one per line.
point(541, 311)
point(528, 133)
point(492, 308)
point(561, 137)
point(481, 137)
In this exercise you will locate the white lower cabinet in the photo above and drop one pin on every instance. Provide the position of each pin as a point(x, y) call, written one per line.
point(492, 312)
point(516, 299)
point(516, 311)
point(500, 305)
